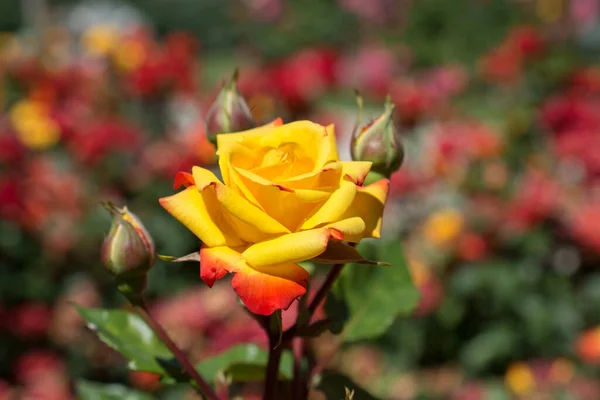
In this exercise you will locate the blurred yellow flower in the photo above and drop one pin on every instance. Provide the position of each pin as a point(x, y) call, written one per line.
point(443, 226)
point(420, 272)
point(549, 11)
point(519, 378)
point(100, 40)
point(35, 129)
point(128, 55)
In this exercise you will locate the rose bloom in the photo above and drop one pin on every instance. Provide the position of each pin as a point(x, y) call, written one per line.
point(285, 198)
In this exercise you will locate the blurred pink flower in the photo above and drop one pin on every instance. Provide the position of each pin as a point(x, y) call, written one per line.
point(580, 145)
point(584, 12)
point(304, 75)
point(535, 197)
point(371, 70)
point(585, 228)
point(470, 391)
point(6, 391)
point(265, 10)
point(373, 11)
point(445, 81)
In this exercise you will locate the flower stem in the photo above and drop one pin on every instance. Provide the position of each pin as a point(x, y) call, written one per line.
point(272, 377)
point(298, 382)
point(325, 288)
point(332, 276)
point(185, 363)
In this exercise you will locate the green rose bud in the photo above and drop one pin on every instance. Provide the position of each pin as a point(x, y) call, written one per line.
point(128, 252)
point(229, 113)
point(377, 141)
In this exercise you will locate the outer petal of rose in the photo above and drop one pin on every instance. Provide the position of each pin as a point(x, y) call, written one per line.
point(200, 216)
point(268, 291)
point(356, 170)
point(368, 205)
point(184, 179)
point(351, 229)
point(236, 205)
point(291, 248)
point(215, 262)
point(333, 153)
point(337, 204)
point(226, 140)
point(263, 290)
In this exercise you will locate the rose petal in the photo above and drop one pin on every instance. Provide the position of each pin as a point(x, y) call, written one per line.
point(278, 200)
point(351, 229)
point(334, 207)
point(291, 248)
point(333, 153)
point(238, 207)
point(356, 170)
point(263, 290)
point(368, 205)
point(184, 179)
point(202, 215)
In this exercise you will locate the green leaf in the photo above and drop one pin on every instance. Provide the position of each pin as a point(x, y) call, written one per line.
point(370, 298)
point(335, 386)
point(496, 344)
point(96, 391)
point(128, 334)
point(243, 363)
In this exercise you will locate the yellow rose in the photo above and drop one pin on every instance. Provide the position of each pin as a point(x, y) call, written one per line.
point(285, 198)
point(33, 124)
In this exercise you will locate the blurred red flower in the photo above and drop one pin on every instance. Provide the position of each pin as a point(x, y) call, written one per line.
point(36, 363)
point(30, 320)
point(585, 228)
point(99, 138)
point(587, 346)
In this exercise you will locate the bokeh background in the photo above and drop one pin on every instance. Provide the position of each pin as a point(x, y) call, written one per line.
point(497, 205)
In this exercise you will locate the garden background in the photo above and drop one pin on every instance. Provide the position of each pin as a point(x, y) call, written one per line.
point(496, 207)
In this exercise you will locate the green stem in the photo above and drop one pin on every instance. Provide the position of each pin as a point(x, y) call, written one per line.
point(298, 383)
point(272, 377)
point(204, 388)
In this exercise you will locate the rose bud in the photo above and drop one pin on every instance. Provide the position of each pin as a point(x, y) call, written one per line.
point(377, 141)
point(229, 112)
point(128, 252)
